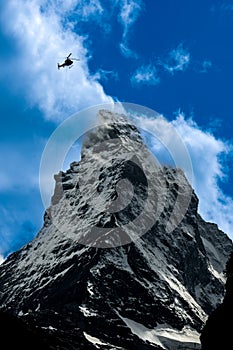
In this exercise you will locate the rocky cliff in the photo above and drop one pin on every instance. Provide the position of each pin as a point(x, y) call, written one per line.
point(115, 265)
point(216, 333)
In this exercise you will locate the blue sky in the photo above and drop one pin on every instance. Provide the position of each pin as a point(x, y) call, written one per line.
point(174, 57)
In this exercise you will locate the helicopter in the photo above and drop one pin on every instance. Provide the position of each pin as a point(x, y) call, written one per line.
point(68, 62)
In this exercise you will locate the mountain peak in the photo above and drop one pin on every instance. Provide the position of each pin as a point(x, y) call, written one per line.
point(123, 260)
point(113, 126)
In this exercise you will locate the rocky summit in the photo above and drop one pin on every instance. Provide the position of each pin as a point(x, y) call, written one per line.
point(123, 260)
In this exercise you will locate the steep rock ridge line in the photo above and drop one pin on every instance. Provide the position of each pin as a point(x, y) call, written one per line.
point(97, 277)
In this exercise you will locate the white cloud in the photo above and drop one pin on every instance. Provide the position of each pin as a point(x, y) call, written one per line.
point(43, 40)
point(178, 60)
point(129, 13)
point(145, 75)
point(207, 154)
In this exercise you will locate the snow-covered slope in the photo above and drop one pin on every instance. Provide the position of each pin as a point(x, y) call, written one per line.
point(124, 260)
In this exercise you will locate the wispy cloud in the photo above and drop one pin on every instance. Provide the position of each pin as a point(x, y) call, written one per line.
point(129, 13)
point(103, 74)
point(222, 5)
point(178, 60)
point(89, 9)
point(126, 51)
point(42, 41)
point(207, 155)
point(146, 75)
point(203, 67)
point(206, 66)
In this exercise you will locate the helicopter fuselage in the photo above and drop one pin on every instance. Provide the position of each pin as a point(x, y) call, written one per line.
point(68, 62)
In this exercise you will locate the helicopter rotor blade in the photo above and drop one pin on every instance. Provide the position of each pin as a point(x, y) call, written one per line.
point(75, 59)
point(69, 55)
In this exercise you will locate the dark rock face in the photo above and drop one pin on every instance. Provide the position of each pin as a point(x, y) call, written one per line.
point(89, 280)
point(16, 333)
point(217, 332)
